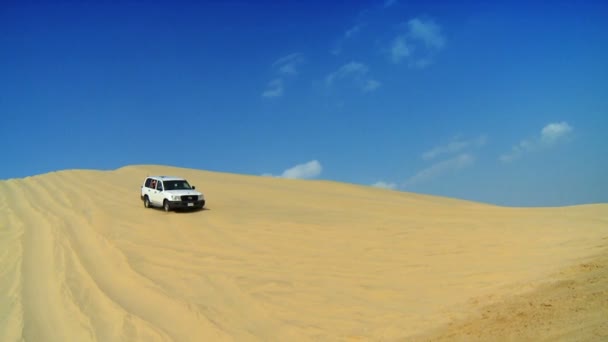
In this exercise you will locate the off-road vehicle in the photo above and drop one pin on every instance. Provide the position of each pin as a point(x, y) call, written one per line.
point(170, 193)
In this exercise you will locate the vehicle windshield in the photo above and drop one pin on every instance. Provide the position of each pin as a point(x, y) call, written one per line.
point(177, 185)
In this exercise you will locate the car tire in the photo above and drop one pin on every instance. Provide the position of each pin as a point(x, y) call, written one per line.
point(147, 202)
point(166, 206)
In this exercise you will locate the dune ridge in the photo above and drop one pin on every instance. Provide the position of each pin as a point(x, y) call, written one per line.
point(270, 259)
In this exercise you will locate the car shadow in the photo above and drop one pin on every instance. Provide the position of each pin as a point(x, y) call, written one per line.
point(188, 211)
point(181, 211)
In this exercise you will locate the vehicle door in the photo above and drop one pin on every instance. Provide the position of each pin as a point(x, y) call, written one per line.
point(149, 188)
point(157, 194)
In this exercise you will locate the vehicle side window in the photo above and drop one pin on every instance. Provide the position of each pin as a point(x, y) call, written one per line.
point(148, 182)
point(159, 186)
point(153, 184)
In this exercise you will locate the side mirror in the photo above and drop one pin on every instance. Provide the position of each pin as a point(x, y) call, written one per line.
point(193, 187)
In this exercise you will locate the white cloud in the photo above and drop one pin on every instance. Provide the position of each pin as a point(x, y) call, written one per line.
point(310, 169)
point(440, 168)
point(554, 132)
point(385, 185)
point(357, 73)
point(418, 42)
point(307, 170)
point(550, 135)
point(274, 88)
point(426, 31)
point(454, 146)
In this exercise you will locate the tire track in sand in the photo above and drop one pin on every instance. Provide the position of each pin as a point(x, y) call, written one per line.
point(11, 252)
point(43, 317)
point(105, 319)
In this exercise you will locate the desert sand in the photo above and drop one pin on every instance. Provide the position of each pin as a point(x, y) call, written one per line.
point(272, 259)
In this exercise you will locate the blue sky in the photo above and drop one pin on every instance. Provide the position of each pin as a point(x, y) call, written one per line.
point(504, 103)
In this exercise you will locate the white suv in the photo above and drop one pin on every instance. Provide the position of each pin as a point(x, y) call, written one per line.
point(170, 193)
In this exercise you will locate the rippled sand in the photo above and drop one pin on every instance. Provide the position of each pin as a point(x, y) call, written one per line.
point(271, 259)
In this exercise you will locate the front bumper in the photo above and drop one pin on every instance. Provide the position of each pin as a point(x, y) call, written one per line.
point(186, 205)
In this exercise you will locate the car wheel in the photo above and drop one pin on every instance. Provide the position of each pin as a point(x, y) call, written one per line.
point(146, 201)
point(166, 205)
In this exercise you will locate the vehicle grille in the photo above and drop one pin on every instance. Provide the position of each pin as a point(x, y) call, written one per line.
point(189, 198)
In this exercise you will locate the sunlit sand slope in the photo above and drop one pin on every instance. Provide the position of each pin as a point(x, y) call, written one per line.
point(81, 259)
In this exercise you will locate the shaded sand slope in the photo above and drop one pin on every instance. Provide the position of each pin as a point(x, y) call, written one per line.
point(271, 259)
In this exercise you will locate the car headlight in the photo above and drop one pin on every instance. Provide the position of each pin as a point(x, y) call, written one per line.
point(176, 198)
point(201, 198)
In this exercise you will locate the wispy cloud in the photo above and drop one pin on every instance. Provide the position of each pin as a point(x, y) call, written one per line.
point(352, 69)
point(286, 67)
point(310, 169)
point(550, 135)
point(274, 88)
point(455, 155)
point(454, 146)
point(389, 3)
point(353, 31)
point(420, 40)
point(399, 49)
point(385, 185)
point(349, 34)
point(371, 85)
point(458, 162)
point(356, 73)
point(426, 31)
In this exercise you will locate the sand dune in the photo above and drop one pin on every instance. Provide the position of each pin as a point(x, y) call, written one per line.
point(272, 259)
